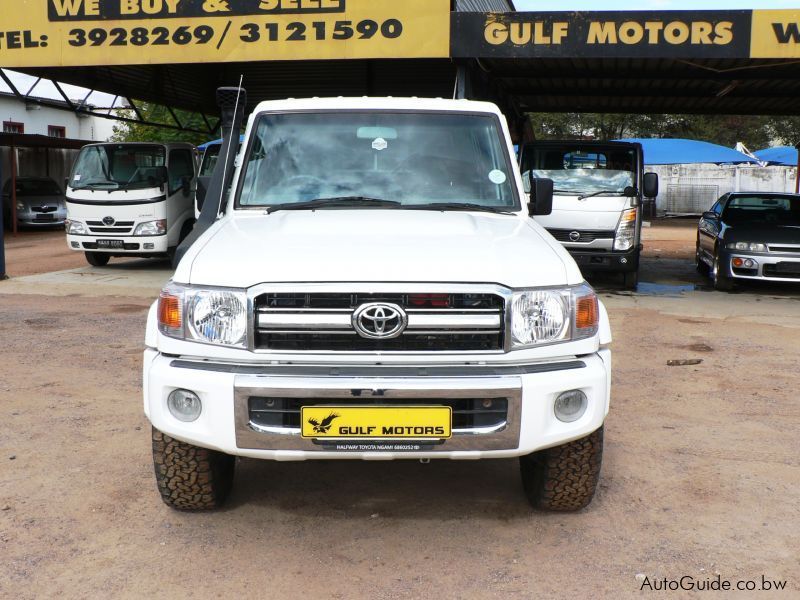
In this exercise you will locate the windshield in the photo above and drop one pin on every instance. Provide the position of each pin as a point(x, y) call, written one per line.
point(119, 166)
point(580, 171)
point(34, 187)
point(414, 159)
point(762, 210)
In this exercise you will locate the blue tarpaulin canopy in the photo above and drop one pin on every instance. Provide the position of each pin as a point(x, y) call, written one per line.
point(202, 147)
point(658, 151)
point(779, 155)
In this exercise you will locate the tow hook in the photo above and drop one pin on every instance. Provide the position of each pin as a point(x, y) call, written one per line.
point(425, 461)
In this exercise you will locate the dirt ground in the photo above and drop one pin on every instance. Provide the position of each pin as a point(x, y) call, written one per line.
point(700, 478)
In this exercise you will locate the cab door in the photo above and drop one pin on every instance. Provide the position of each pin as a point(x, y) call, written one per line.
point(180, 193)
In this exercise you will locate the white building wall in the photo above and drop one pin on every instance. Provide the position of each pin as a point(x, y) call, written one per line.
point(692, 189)
point(37, 119)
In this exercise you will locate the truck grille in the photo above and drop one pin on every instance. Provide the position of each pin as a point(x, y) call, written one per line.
point(469, 414)
point(562, 235)
point(323, 322)
point(120, 227)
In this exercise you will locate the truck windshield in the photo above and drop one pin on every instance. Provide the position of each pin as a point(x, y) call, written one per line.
point(412, 159)
point(119, 166)
point(577, 170)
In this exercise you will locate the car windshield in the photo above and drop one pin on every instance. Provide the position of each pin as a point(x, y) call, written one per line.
point(412, 160)
point(579, 170)
point(762, 210)
point(35, 187)
point(119, 166)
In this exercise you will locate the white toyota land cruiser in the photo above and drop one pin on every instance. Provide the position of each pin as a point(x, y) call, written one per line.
point(371, 285)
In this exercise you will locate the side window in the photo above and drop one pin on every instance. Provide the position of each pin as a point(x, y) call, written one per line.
point(181, 165)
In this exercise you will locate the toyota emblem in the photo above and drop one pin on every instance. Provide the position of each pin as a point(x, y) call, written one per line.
point(574, 236)
point(378, 321)
point(108, 221)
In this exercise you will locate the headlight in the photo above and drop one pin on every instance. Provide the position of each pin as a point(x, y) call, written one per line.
point(20, 206)
point(76, 228)
point(625, 235)
point(549, 316)
point(747, 247)
point(151, 228)
point(208, 316)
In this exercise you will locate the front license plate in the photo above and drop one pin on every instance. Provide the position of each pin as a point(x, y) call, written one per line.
point(44, 217)
point(376, 422)
point(110, 244)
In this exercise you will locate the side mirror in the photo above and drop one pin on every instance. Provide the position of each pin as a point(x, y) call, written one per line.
point(650, 185)
point(186, 185)
point(541, 196)
point(711, 215)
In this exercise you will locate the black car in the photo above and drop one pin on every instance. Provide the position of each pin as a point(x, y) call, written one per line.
point(750, 235)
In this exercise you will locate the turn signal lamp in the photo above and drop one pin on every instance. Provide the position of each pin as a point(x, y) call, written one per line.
point(587, 313)
point(170, 317)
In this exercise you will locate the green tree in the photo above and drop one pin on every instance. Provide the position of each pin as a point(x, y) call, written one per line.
point(126, 131)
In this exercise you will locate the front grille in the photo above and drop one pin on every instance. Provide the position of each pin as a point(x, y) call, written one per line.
point(44, 209)
point(468, 413)
point(588, 235)
point(322, 322)
point(120, 227)
point(784, 249)
point(786, 270)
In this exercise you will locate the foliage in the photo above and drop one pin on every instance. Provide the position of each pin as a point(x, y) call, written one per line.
point(755, 132)
point(138, 132)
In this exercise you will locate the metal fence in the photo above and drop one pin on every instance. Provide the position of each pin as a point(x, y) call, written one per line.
point(690, 199)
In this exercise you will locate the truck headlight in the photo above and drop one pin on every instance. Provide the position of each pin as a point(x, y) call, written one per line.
point(747, 247)
point(625, 235)
point(76, 228)
point(556, 315)
point(210, 316)
point(151, 228)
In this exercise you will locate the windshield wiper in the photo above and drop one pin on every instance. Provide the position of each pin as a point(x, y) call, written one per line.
point(584, 197)
point(340, 202)
point(456, 206)
point(557, 191)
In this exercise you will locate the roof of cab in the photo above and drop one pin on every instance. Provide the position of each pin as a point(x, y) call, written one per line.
point(373, 103)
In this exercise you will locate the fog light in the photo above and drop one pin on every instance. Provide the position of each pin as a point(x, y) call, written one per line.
point(570, 406)
point(624, 261)
point(75, 245)
point(750, 264)
point(149, 246)
point(184, 405)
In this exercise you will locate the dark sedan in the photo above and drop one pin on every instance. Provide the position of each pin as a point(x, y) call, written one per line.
point(40, 202)
point(750, 235)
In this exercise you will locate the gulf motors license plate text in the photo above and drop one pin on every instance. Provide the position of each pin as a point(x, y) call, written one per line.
point(375, 422)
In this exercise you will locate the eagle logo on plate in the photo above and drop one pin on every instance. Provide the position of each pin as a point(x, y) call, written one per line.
point(324, 426)
point(379, 321)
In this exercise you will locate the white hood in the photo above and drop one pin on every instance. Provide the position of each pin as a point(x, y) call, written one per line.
point(599, 212)
point(376, 245)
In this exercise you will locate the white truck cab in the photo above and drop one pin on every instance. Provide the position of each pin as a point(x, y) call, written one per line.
point(375, 288)
point(599, 188)
point(130, 199)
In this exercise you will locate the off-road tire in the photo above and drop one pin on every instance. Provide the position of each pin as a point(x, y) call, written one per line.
point(97, 259)
point(630, 279)
point(563, 478)
point(190, 477)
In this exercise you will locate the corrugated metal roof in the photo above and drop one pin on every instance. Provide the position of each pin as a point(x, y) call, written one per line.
point(484, 6)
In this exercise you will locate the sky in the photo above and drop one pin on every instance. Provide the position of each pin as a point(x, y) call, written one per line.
point(546, 5)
